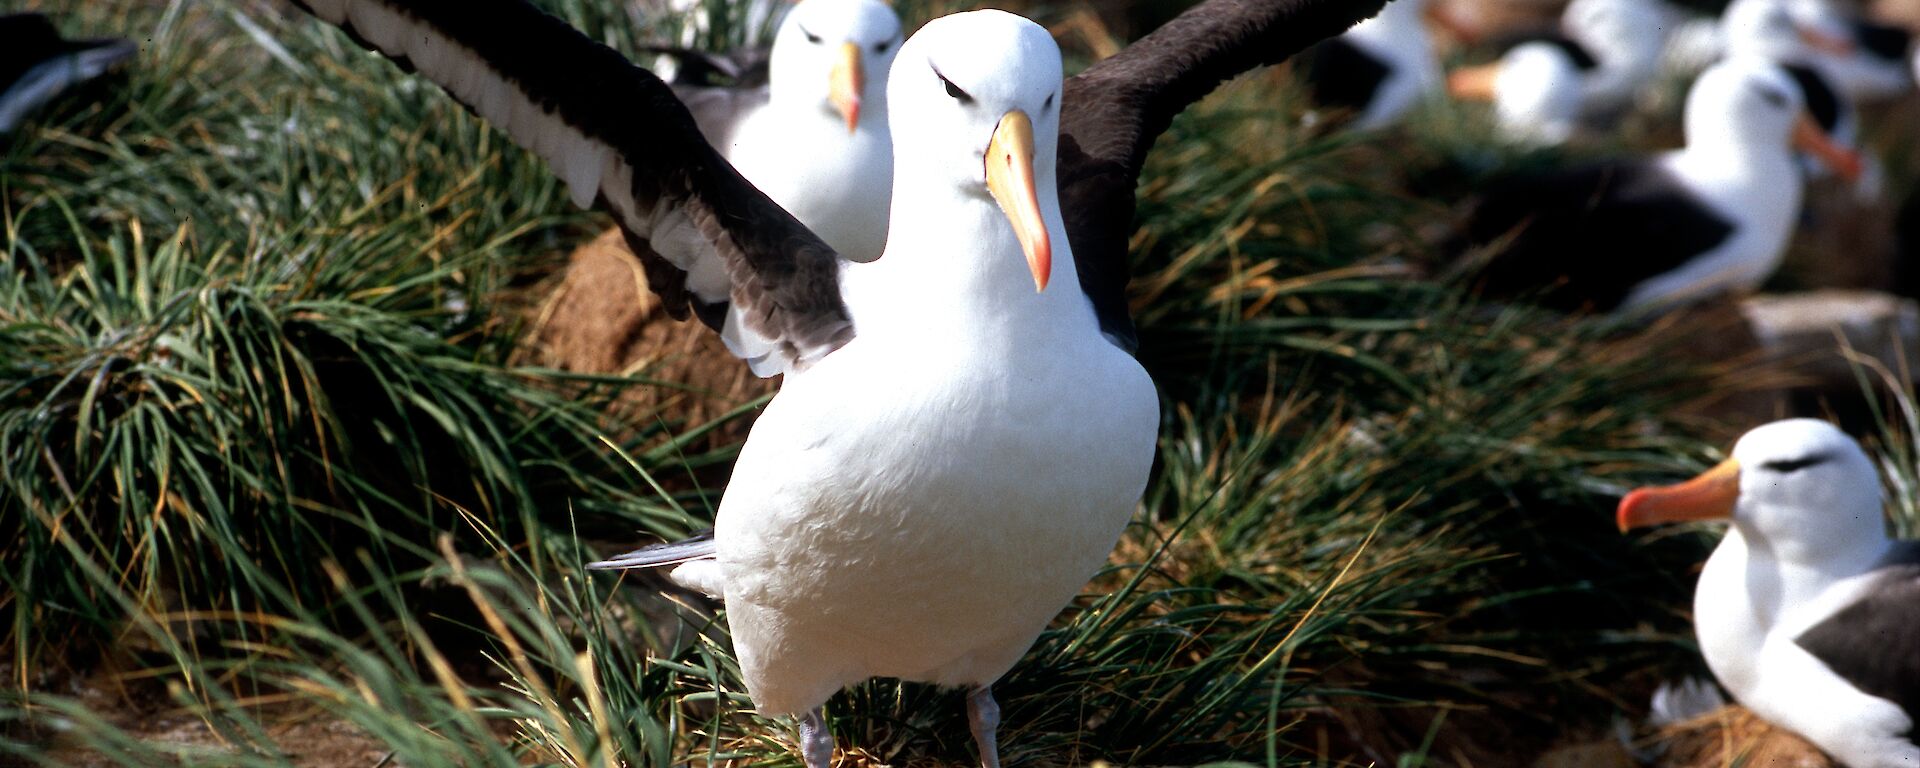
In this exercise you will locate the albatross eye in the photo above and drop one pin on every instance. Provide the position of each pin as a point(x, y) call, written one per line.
point(881, 47)
point(811, 37)
point(1784, 466)
point(953, 90)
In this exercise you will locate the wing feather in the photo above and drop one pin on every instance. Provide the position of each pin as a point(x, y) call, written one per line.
point(617, 136)
point(1112, 113)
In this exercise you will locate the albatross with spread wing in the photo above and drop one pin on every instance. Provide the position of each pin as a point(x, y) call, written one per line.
point(964, 462)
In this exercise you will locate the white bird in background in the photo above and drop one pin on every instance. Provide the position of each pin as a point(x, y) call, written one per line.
point(963, 465)
point(1807, 612)
point(1547, 86)
point(815, 137)
point(1860, 60)
point(1649, 232)
point(1381, 68)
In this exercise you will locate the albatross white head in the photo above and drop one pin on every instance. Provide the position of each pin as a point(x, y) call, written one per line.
point(1801, 487)
point(976, 98)
point(824, 52)
point(1749, 106)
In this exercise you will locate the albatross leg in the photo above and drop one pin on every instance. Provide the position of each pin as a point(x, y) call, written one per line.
point(816, 742)
point(983, 714)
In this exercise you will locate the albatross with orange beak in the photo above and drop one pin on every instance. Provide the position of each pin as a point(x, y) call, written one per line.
point(815, 137)
point(1807, 612)
point(920, 502)
point(1650, 232)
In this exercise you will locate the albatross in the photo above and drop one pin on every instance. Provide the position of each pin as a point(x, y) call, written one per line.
point(1806, 612)
point(814, 137)
point(953, 453)
point(1648, 232)
point(1382, 68)
point(1593, 68)
point(964, 464)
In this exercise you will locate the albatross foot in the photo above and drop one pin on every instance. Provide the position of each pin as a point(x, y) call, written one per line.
point(816, 742)
point(983, 715)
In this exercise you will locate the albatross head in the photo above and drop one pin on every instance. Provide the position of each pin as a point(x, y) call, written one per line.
point(1750, 103)
point(976, 100)
point(1800, 485)
point(826, 49)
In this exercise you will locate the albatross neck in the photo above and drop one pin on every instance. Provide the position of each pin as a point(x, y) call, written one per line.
point(952, 260)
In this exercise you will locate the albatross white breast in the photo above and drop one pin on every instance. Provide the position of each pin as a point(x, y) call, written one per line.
point(1807, 612)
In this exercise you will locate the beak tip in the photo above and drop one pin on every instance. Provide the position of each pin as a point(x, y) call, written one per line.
point(1624, 517)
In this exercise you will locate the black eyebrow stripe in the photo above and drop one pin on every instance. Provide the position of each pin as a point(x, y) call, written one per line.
point(959, 92)
point(1789, 465)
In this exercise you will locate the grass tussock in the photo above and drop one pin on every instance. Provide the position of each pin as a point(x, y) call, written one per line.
point(265, 459)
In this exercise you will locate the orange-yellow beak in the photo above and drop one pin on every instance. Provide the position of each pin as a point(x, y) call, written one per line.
point(1010, 180)
point(1808, 137)
point(1825, 43)
point(844, 84)
point(1710, 496)
point(1474, 83)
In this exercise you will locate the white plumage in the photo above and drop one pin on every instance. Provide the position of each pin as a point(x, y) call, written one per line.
point(1397, 37)
point(1807, 540)
point(1743, 119)
point(795, 143)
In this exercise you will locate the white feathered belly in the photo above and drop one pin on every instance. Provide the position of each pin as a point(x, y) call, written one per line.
point(926, 530)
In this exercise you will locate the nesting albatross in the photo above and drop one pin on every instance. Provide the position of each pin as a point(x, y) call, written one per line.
point(951, 474)
point(1807, 612)
point(1650, 232)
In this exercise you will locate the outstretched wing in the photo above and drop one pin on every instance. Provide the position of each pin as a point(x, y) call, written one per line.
point(1112, 113)
point(616, 135)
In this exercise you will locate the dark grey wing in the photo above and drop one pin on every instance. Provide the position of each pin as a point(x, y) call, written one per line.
point(718, 110)
point(1882, 41)
point(696, 547)
point(1875, 643)
point(1342, 75)
point(616, 135)
point(739, 68)
point(1581, 238)
point(37, 65)
point(1822, 101)
point(1112, 113)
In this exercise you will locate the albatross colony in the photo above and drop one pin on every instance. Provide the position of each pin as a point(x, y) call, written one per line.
point(1807, 612)
point(958, 443)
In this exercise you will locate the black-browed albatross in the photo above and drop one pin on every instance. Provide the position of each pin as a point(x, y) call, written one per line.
point(1807, 612)
point(1650, 232)
point(1547, 85)
point(814, 137)
point(980, 441)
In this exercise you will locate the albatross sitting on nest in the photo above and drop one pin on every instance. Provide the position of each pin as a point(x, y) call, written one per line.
point(953, 453)
point(1807, 612)
point(1651, 232)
